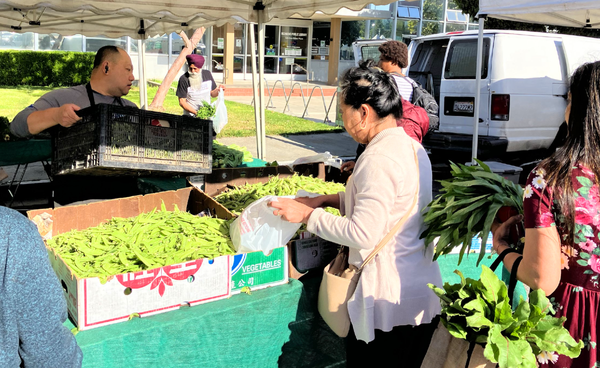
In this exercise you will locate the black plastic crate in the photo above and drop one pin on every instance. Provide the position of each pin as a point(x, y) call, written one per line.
point(118, 140)
point(312, 253)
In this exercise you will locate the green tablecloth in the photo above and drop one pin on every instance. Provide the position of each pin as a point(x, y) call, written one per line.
point(449, 263)
point(242, 331)
point(147, 185)
point(24, 152)
point(254, 163)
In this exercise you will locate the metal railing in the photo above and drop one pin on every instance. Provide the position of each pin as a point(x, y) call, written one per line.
point(306, 103)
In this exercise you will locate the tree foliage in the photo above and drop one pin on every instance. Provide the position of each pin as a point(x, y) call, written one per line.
point(352, 31)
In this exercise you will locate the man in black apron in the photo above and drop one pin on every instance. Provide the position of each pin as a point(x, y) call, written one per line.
point(111, 79)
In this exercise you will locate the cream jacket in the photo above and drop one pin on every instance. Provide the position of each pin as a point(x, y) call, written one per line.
point(392, 289)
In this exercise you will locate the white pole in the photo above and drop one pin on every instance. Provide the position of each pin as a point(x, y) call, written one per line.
point(477, 89)
point(261, 80)
point(255, 92)
point(145, 80)
point(141, 79)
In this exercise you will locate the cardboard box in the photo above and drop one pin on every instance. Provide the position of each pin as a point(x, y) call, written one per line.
point(3, 174)
point(92, 304)
point(258, 271)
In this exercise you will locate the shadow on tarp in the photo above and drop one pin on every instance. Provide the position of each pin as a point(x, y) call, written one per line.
point(312, 344)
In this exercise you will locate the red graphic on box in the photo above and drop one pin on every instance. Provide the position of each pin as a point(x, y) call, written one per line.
point(161, 277)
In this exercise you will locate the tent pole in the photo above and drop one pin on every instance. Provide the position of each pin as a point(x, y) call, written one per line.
point(261, 81)
point(255, 92)
point(145, 81)
point(142, 77)
point(476, 102)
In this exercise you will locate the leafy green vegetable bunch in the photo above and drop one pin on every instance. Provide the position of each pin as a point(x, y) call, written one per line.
point(480, 311)
point(467, 206)
point(229, 156)
point(206, 111)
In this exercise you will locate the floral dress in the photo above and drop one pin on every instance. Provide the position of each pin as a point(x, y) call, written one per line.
point(578, 294)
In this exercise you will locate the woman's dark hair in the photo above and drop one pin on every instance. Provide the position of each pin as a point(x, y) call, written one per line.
point(367, 84)
point(582, 145)
point(394, 51)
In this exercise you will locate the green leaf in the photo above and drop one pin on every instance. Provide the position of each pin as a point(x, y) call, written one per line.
point(584, 255)
point(581, 262)
point(508, 353)
point(493, 290)
point(585, 181)
point(552, 336)
point(596, 251)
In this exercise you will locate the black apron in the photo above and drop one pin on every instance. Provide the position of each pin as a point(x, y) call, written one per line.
point(90, 93)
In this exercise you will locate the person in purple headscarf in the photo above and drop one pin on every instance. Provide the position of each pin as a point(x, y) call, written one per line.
point(196, 85)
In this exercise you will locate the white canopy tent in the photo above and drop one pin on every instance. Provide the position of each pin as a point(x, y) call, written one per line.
point(141, 19)
point(567, 13)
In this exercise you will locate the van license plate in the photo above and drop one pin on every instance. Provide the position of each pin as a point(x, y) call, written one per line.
point(463, 106)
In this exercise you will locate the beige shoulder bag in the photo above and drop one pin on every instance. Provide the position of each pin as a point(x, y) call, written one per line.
point(340, 279)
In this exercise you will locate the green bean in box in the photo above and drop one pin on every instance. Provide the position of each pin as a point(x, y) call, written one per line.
point(236, 199)
point(468, 206)
point(149, 240)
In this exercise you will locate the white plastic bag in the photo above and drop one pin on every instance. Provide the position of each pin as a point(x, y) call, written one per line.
point(220, 118)
point(325, 157)
point(257, 228)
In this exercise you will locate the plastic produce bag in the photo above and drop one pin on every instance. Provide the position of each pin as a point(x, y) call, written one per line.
point(325, 157)
point(257, 228)
point(220, 118)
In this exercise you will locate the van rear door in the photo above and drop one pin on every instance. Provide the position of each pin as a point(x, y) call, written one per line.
point(457, 90)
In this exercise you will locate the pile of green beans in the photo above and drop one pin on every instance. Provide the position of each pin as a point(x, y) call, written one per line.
point(149, 240)
point(235, 200)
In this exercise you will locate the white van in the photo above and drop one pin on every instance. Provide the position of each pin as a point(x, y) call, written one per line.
point(524, 83)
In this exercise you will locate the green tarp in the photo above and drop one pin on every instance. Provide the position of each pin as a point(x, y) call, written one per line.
point(242, 331)
point(24, 152)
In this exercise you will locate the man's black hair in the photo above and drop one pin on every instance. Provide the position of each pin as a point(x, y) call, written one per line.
point(105, 52)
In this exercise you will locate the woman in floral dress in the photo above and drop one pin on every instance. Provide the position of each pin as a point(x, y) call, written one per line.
point(562, 221)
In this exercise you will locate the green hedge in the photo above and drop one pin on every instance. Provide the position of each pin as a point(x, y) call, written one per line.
point(45, 68)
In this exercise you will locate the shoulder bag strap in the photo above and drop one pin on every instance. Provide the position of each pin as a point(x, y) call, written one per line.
point(387, 238)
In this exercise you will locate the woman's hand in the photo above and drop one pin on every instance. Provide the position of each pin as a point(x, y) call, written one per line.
point(501, 232)
point(291, 210)
point(313, 202)
point(348, 166)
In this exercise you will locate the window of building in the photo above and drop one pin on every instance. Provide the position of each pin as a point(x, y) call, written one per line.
point(294, 41)
point(406, 30)
point(461, 61)
point(239, 40)
point(70, 43)
point(456, 16)
point(430, 27)
point(456, 27)
point(19, 41)
point(50, 41)
point(93, 44)
point(157, 45)
point(409, 12)
point(433, 10)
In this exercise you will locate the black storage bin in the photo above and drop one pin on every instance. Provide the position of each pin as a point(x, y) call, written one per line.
point(118, 140)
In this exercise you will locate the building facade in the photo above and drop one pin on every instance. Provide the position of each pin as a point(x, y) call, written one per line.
point(316, 50)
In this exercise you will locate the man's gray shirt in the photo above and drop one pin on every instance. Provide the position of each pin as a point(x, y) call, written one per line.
point(76, 95)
